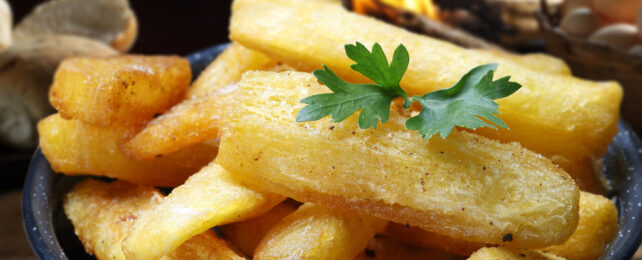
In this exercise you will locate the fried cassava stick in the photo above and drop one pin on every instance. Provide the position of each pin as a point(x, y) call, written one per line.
point(103, 213)
point(74, 147)
point(120, 90)
point(196, 119)
point(456, 186)
point(595, 229)
point(246, 235)
point(208, 198)
point(227, 69)
point(488, 253)
point(569, 120)
point(318, 232)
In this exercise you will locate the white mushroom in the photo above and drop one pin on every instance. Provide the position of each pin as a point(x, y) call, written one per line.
point(6, 22)
point(620, 36)
point(580, 22)
point(26, 72)
point(109, 21)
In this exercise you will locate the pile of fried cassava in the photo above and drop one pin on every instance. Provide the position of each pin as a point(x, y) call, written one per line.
point(237, 160)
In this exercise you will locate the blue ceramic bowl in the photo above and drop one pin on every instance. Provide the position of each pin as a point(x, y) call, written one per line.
point(52, 236)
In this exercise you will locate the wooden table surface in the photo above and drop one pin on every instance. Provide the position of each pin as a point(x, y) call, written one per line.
point(13, 241)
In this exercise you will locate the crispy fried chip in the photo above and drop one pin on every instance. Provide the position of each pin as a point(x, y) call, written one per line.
point(597, 227)
point(455, 186)
point(500, 253)
point(103, 213)
point(203, 246)
point(246, 235)
point(208, 198)
point(188, 123)
point(77, 148)
point(122, 90)
point(419, 237)
point(385, 248)
point(542, 62)
point(227, 69)
point(317, 232)
point(566, 119)
point(197, 119)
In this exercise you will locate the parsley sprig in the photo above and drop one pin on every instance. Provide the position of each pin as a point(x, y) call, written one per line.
point(465, 104)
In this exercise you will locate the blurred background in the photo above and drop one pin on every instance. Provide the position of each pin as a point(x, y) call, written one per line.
point(167, 26)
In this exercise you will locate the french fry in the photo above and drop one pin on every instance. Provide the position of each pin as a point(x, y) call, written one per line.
point(246, 235)
point(103, 213)
point(74, 147)
point(317, 232)
point(190, 122)
point(204, 246)
point(197, 119)
point(568, 120)
point(385, 248)
point(208, 198)
point(545, 63)
point(419, 237)
point(455, 186)
point(121, 90)
point(499, 253)
point(541, 62)
point(227, 69)
point(595, 229)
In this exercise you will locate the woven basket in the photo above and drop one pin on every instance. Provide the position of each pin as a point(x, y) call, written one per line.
point(596, 61)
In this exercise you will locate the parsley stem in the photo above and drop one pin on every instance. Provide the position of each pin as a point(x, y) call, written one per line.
point(407, 101)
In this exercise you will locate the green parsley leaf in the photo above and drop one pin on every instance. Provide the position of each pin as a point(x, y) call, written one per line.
point(374, 65)
point(347, 99)
point(463, 104)
point(466, 104)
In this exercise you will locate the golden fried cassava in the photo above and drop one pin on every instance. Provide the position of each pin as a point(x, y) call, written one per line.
point(419, 237)
point(227, 69)
point(500, 253)
point(247, 234)
point(455, 186)
point(77, 148)
point(208, 198)
point(205, 245)
point(544, 63)
point(197, 119)
point(122, 90)
point(597, 227)
point(385, 248)
point(569, 120)
point(190, 122)
point(26, 72)
point(317, 232)
point(103, 213)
